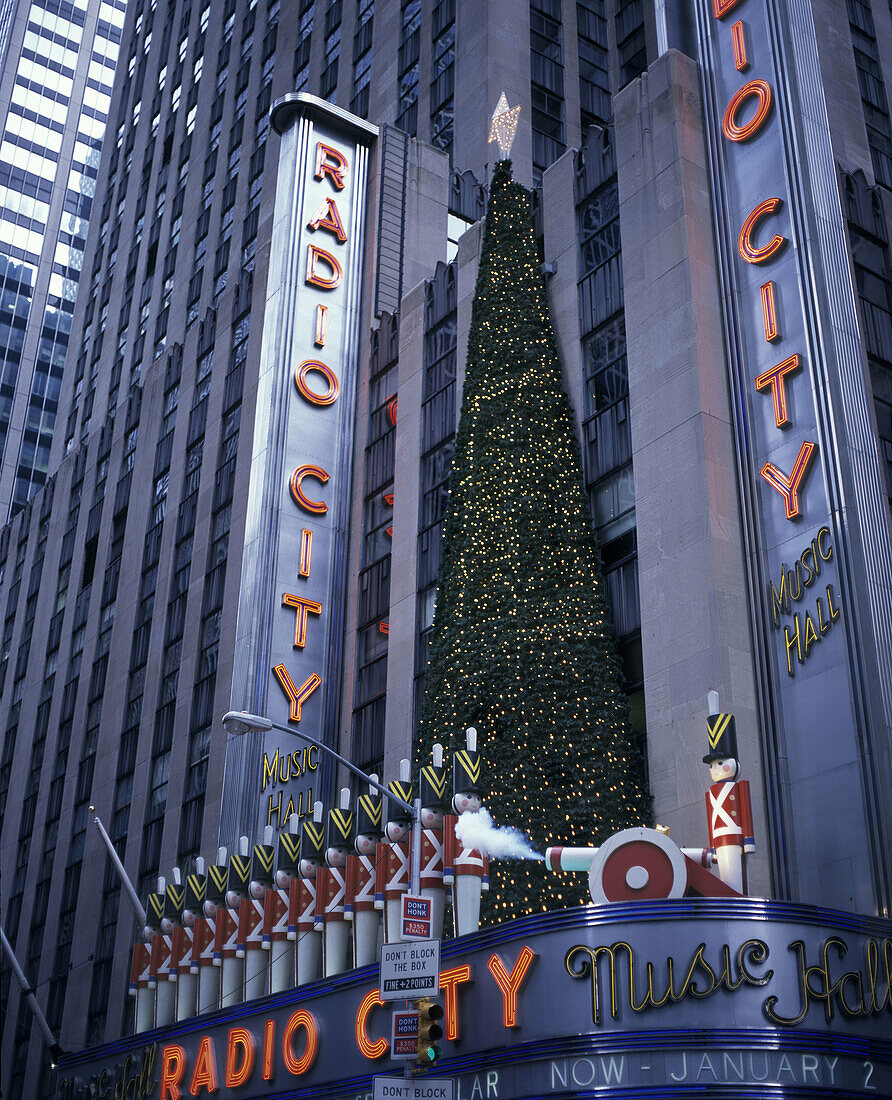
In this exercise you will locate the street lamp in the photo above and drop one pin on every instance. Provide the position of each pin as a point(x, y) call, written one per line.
point(239, 722)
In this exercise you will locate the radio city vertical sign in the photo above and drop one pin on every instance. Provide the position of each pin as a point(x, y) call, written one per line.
point(817, 548)
point(290, 615)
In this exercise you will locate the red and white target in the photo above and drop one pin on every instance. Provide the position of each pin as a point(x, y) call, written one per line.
point(637, 865)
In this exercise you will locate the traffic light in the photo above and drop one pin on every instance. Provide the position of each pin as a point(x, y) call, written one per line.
point(429, 1031)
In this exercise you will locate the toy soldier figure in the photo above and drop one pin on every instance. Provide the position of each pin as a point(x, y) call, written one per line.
point(142, 980)
point(160, 960)
point(392, 872)
point(361, 876)
point(251, 916)
point(205, 962)
point(434, 804)
point(226, 948)
point(178, 936)
point(465, 869)
point(307, 934)
point(187, 980)
point(277, 908)
point(728, 806)
point(331, 889)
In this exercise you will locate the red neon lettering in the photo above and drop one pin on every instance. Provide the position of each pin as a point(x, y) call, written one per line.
point(745, 246)
point(240, 1047)
point(314, 507)
point(762, 91)
point(326, 216)
point(204, 1076)
point(369, 1048)
point(774, 380)
point(450, 980)
point(314, 276)
point(303, 608)
point(788, 487)
point(296, 696)
point(510, 984)
point(331, 163)
point(306, 1020)
point(173, 1066)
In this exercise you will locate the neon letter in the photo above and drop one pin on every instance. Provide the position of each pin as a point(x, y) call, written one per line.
point(241, 1045)
point(314, 277)
point(762, 92)
point(297, 697)
point(314, 507)
point(303, 608)
point(306, 552)
point(331, 163)
point(721, 8)
point(204, 1076)
point(745, 246)
point(738, 39)
point(774, 380)
point(450, 980)
point(327, 217)
point(769, 312)
point(510, 984)
point(369, 1048)
point(269, 1038)
point(300, 380)
point(788, 487)
point(306, 1020)
point(173, 1066)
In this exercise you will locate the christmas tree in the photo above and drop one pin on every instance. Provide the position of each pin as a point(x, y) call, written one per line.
point(522, 645)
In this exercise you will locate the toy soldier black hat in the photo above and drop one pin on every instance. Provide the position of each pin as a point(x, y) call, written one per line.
point(155, 907)
point(340, 823)
point(402, 788)
point(434, 783)
point(240, 869)
point(196, 889)
point(289, 848)
point(312, 836)
point(174, 897)
point(722, 736)
point(466, 767)
point(264, 856)
point(218, 879)
point(370, 813)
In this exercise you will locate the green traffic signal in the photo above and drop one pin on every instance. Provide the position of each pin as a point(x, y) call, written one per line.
point(429, 1031)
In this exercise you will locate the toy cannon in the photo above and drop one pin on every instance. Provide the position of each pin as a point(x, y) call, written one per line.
point(641, 865)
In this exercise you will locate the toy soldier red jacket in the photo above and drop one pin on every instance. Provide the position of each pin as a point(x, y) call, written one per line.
point(203, 938)
point(225, 935)
point(180, 950)
point(331, 894)
point(139, 970)
point(459, 860)
point(276, 916)
point(432, 860)
point(730, 815)
point(361, 874)
point(391, 872)
point(250, 926)
point(160, 959)
point(304, 909)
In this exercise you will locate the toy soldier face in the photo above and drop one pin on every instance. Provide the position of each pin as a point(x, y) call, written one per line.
point(365, 843)
point(396, 830)
point(257, 890)
point(282, 879)
point(336, 857)
point(431, 819)
point(210, 909)
point(309, 867)
point(189, 917)
point(167, 926)
point(233, 899)
point(466, 803)
point(723, 770)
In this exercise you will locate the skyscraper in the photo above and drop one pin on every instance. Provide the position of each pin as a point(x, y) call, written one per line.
point(58, 69)
point(128, 627)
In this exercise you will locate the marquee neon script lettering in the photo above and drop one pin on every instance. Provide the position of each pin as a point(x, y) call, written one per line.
point(318, 384)
point(809, 628)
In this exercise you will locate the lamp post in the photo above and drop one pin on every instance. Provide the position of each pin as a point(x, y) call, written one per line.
point(238, 723)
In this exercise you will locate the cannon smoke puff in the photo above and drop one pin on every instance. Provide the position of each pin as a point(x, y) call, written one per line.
point(478, 831)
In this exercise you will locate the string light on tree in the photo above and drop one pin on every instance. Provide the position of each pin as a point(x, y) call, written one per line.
point(522, 646)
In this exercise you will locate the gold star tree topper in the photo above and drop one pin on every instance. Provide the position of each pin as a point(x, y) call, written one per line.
point(504, 125)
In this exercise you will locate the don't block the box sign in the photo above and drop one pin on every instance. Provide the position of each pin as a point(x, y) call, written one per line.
point(660, 998)
point(290, 612)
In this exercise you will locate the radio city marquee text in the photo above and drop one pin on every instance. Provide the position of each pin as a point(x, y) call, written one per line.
point(760, 242)
point(830, 983)
point(318, 384)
